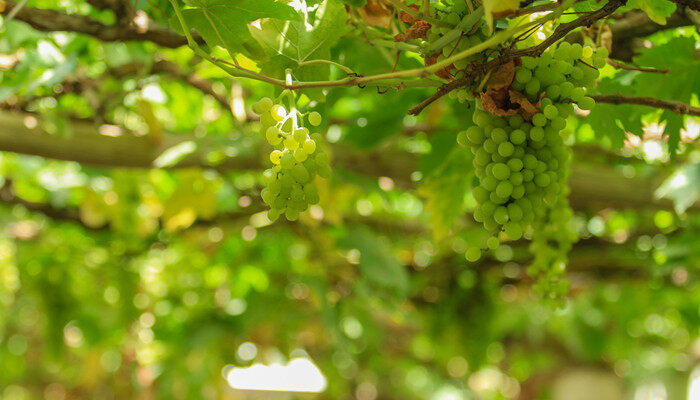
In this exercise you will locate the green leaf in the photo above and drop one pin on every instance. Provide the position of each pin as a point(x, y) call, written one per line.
point(225, 23)
point(683, 187)
point(657, 10)
point(287, 44)
point(378, 264)
point(445, 188)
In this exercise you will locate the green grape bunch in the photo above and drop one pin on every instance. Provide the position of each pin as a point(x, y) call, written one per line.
point(522, 165)
point(296, 157)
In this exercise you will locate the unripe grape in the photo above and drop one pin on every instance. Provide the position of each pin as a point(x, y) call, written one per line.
point(290, 143)
point(276, 156)
point(505, 149)
point(315, 118)
point(501, 215)
point(501, 171)
point(473, 254)
point(309, 146)
point(277, 112)
point(300, 155)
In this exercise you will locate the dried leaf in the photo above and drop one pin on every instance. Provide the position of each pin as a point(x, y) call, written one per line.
point(418, 30)
point(499, 99)
point(443, 73)
point(375, 14)
point(495, 98)
point(527, 109)
point(406, 17)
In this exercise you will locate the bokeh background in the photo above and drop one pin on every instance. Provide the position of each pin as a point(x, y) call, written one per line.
point(120, 280)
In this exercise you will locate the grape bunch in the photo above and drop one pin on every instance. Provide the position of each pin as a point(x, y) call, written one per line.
point(522, 165)
point(296, 157)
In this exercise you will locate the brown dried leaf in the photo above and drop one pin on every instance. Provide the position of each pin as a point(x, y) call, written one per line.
point(499, 99)
point(443, 73)
point(418, 30)
point(503, 77)
point(527, 109)
point(492, 107)
point(406, 17)
point(495, 98)
point(375, 14)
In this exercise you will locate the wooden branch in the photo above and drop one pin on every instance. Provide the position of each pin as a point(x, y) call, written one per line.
point(51, 20)
point(672, 105)
point(592, 188)
point(628, 30)
point(619, 65)
point(442, 90)
point(691, 4)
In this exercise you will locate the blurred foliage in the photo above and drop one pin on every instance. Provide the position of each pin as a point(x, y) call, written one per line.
point(145, 283)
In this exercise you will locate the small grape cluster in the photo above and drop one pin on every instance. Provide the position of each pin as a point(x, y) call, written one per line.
point(522, 165)
point(297, 159)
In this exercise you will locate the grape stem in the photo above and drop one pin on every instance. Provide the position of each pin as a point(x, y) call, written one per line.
point(465, 25)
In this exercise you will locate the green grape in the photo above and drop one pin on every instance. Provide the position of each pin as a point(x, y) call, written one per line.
point(272, 134)
point(501, 171)
point(550, 112)
point(315, 118)
point(300, 155)
point(505, 149)
point(309, 146)
point(475, 135)
point(586, 103)
point(493, 243)
point(518, 136)
point(290, 143)
point(504, 189)
point(473, 254)
point(276, 156)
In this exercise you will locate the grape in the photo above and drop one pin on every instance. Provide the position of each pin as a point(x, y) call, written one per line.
point(501, 171)
point(314, 118)
point(289, 187)
point(505, 149)
point(473, 254)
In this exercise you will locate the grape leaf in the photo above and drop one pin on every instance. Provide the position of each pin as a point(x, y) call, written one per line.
point(225, 23)
point(287, 44)
point(378, 264)
point(657, 10)
point(445, 188)
point(678, 84)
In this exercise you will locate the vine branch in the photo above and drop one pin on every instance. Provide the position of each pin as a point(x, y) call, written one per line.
point(672, 105)
point(619, 65)
point(510, 54)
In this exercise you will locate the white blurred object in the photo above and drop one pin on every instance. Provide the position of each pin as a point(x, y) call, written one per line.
point(588, 384)
point(694, 384)
point(298, 375)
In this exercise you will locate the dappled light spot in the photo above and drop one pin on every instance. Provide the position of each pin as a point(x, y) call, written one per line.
point(298, 375)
